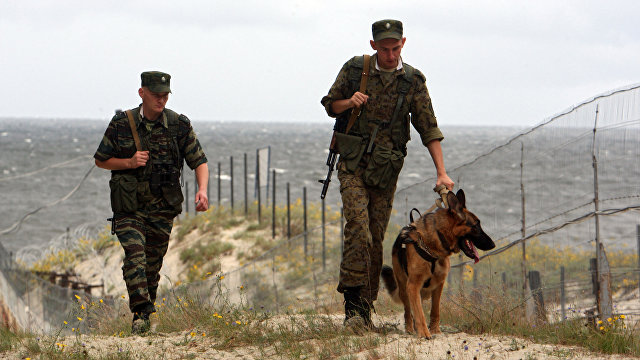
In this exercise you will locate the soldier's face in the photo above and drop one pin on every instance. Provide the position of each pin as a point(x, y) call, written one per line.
point(152, 100)
point(388, 51)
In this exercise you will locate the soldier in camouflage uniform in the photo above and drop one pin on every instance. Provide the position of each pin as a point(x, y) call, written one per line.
point(372, 156)
point(145, 186)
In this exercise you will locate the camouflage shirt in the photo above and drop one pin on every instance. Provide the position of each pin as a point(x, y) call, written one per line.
point(383, 95)
point(154, 136)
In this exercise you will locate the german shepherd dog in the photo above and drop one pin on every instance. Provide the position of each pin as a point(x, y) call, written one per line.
point(420, 258)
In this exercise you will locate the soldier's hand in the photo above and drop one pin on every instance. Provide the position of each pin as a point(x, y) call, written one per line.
point(446, 181)
point(202, 201)
point(138, 159)
point(358, 99)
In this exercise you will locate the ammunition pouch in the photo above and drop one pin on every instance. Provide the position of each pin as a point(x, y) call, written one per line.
point(351, 149)
point(124, 189)
point(383, 168)
point(165, 182)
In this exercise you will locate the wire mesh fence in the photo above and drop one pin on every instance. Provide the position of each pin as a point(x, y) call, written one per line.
point(546, 197)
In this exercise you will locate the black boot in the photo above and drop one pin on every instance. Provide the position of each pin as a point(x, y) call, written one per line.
point(356, 308)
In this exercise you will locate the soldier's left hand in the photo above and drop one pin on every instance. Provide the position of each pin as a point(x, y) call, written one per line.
point(202, 201)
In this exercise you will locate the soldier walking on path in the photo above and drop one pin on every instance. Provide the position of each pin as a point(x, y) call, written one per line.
point(386, 95)
point(145, 148)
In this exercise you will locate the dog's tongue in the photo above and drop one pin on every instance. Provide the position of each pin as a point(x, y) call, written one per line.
point(476, 258)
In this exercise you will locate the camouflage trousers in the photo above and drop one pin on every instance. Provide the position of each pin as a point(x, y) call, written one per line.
point(366, 211)
point(144, 236)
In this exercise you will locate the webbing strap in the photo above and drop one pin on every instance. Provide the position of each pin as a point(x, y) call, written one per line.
point(134, 130)
point(363, 87)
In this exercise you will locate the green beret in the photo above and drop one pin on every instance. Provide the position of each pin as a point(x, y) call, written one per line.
point(156, 81)
point(387, 29)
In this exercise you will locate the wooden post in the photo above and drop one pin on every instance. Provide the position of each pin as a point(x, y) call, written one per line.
point(563, 300)
point(273, 206)
point(258, 186)
point(275, 284)
point(186, 196)
point(246, 188)
point(524, 228)
point(304, 215)
point(219, 185)
point(231, 182)
point(536, 291)
point(288, 213)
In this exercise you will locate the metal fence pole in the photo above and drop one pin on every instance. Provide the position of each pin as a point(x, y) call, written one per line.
point(246, 187)
point(595, 191)
point(273, 207)
point(258, 186)
point(186, 196)
point(324, 249)
point(563, 300)
point(304, 216)
point(231, 176)
point(288, 213)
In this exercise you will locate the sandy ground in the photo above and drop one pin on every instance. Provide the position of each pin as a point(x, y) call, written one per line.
point(188, 345)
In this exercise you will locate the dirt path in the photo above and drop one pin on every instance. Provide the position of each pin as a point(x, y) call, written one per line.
point(196, 345)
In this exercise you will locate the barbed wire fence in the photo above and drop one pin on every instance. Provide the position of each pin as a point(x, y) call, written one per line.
point(570, 184)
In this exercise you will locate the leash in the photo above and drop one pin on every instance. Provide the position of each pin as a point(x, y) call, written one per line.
point(439, 203)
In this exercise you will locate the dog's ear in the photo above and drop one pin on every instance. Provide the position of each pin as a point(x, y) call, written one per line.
point(455, 207)
point(461, 198)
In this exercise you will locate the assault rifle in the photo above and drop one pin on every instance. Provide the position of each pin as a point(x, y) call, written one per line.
point(340, 126)
point(343, 126)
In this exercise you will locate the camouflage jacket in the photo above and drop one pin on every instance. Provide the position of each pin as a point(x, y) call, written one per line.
point(154, 136)
point(383, 96)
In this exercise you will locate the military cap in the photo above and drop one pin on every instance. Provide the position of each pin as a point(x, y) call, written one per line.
point(387, 29)
point(156, 81)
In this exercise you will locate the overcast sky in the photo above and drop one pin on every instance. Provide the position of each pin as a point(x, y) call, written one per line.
point(486, 62)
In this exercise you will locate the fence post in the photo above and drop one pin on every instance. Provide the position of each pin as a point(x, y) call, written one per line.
point(258, 187)
point(563, 300)
point(288, 213)
point(219, 185)
point(231, 178)
point(246, 187)
point(304, 215)
point(273, 207)
point(186, 203)
point(524, 228)
point(275, 284)
point(638, 239)
point(536, 292)
point(476, 297)
point(461, 276)
point(324, 249)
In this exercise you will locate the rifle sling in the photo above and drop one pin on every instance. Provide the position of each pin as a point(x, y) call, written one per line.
point(363, 87)
point(134, 130)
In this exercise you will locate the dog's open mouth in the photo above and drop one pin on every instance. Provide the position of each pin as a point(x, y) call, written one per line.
point(469, 250)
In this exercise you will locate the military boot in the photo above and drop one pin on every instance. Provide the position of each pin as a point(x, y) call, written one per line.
point(357, 311)
point(140, 324)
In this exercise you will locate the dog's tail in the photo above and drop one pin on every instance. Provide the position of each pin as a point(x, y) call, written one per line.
point(390, 282)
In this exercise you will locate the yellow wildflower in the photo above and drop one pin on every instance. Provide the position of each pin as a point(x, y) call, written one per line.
point(622, 316)
point(79, 319)
point(204, 334)
point(65, 322)
point(599, 322)
point(241, 287)
point(82, 307)
point(101, 301)
point(609, 319)
point(601, 327)
point(123, 296)
point(193, 334)
point(164, 299)
point(238, 322)
point(73, 329)
point(77, 297)
point(222, 277)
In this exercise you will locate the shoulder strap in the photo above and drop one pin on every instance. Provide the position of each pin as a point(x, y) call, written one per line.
point(134, 130)
point(363, 87)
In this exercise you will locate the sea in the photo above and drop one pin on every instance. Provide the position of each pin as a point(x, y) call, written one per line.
point(51, 192)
